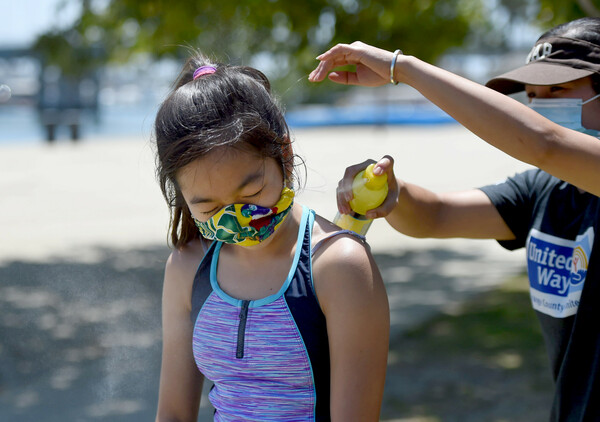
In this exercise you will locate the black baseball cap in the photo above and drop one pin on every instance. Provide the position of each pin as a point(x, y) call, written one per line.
point(552, 61)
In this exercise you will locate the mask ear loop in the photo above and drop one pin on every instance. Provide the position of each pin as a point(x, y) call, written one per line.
point(591, 99)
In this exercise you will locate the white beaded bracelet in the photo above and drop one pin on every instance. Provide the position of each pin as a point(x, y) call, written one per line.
point(393, 65)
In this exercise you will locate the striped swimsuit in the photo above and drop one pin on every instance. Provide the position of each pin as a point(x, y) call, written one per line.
point(268, 358)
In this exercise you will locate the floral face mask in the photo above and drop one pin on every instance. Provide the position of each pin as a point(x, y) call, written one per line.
point(246, 224)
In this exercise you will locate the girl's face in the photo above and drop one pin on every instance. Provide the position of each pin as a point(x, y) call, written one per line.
point(229, 176)
point(579, 88)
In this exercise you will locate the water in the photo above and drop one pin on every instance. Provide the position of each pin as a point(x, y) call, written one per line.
point(21, 124)
point(421, 113)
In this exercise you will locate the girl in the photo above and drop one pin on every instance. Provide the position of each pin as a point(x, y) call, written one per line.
point(286, 314)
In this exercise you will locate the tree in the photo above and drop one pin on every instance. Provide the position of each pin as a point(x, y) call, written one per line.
point(554, 12)
point(286, 34)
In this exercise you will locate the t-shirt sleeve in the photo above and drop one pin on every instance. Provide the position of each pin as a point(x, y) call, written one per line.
point(514, 199)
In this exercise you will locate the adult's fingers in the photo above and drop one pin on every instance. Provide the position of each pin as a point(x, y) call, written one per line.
point(372, 65)
point(345, 78)
point(339, 55)
point(344, 189)
point(386, 166)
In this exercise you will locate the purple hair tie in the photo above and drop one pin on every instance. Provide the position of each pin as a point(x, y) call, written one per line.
point(204, 70)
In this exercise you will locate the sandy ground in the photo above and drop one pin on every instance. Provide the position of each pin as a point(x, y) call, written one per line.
point(66, 199)
point(83, 245)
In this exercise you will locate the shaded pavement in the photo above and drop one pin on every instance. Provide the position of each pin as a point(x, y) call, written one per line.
point(81, 341)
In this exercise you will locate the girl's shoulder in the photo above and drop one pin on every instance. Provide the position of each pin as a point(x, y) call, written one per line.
point(183, 263)
point(344, 271)
point(340, 250)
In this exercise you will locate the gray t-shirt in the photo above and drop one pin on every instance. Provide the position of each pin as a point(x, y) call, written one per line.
point(558, 225)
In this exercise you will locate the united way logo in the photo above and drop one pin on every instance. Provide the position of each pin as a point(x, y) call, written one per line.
point(557, 269)
point(579, 265)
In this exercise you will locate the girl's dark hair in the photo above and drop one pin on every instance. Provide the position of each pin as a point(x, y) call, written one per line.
point(585, 29)
point(232, 107)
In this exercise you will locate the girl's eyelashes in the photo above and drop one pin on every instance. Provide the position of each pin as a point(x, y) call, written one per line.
point(208, 212)
point(254, 194)
point(215, 209)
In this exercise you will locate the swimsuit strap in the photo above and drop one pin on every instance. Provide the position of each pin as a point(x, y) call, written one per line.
point(330, 235)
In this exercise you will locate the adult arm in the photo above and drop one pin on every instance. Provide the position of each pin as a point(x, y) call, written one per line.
point(419, 212)
point(497, 119)
point(180, 381)
point(354, 301)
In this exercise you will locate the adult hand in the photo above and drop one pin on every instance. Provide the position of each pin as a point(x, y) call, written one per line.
point(372, 65)
point(344, 189)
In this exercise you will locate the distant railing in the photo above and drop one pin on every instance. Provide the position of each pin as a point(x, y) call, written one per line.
point(60, 99)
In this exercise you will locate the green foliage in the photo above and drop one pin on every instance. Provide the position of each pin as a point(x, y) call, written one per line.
point(288, 34)
point(555, 12)
point(241, 29)
point(548, 13)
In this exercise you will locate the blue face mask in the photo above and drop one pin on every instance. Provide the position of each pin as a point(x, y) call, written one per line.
point(563, 111)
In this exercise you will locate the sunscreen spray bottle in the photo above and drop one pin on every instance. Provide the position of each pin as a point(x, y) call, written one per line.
point(369, 192)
